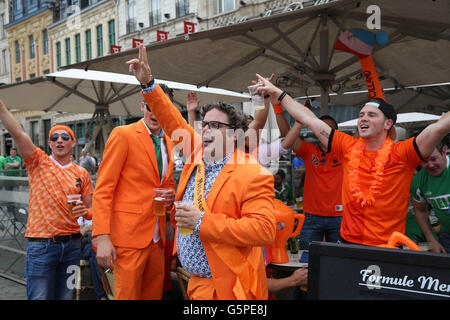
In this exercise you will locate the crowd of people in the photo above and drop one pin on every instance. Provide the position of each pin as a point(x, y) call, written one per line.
point(356, 190)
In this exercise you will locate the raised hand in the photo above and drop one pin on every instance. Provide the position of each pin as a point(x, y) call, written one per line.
point(266, 87)
point(140, 67)
point(192, 102)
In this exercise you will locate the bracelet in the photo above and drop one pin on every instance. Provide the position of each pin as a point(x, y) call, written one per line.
point(149, 84)
point(277, 109)
point(89, 214)
point(282, 96)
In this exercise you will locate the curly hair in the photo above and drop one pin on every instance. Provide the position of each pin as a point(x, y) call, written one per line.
point(236, 117)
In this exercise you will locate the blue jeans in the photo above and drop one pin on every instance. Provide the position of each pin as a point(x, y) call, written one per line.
point(316, 227)
point(51, 269)
point(444, 240)
point(89, 254)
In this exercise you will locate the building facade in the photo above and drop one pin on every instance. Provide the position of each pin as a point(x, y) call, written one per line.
point(4, 52)
point(28, 41)
point(83, 30)
point(80, 30)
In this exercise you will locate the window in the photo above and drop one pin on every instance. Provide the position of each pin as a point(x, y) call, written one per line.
point(111, 33)
point(32, 5)
point(46, 71)
point(33, 75)
point(47, 127)
point(17, 47)
point(77, 48)
point(2, 25)
point(63, 9)
point(182, 7)
point(131, 21)
point(5, 61)
point(67, 41)
point(225, 5)
point(99, 40)
point(88, 44)
point(35, 132)
point(155, 14)
point(58, 54)
point(45, 42)
point(32, 50)
point(81, 131)
point(17, 9)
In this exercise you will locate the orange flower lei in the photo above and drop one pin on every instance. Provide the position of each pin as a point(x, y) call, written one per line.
point(377, 171)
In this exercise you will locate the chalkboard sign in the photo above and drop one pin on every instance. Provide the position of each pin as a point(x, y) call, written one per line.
point(341, 271)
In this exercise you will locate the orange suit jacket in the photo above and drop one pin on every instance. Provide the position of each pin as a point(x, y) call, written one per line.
point(123, 196)
point(240, 201)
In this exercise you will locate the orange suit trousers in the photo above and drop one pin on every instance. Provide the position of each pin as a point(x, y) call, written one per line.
point(139, 273)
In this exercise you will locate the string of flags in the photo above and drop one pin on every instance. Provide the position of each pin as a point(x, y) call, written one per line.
point(189, 27)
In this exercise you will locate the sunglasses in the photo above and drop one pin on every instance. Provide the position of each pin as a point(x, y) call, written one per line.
point(54, 137)
point(148, 109)
point(214, 124)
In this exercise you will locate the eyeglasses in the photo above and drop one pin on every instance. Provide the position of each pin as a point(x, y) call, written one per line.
point(148, 109)
point(65, 136)
point(214, 124)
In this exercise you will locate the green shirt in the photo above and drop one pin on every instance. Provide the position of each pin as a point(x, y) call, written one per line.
point(285, 194)
point(435, 190)
point(412, 229)
point(2, 164)
point(14, 173)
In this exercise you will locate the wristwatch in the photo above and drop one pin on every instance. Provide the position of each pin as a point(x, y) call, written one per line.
point(149, 84)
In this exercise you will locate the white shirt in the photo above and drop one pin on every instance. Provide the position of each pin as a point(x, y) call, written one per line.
point(271, 151)
point(165, 159)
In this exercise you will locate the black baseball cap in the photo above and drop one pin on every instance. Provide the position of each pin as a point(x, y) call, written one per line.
point(387, 109)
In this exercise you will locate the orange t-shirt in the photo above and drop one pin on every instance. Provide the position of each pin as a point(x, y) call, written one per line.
point(323, 181)
point(48, 213)
point(373, 225)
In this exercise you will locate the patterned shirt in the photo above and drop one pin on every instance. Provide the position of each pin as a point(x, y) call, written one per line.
point(190, 248)
point(50, 183)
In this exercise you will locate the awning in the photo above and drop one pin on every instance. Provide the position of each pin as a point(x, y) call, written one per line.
point(298, 47)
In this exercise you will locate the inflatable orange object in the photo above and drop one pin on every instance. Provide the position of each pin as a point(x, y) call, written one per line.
point(398, 238)
point(285, 217)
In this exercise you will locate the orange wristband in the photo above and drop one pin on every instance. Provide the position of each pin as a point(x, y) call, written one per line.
point(277, 109)
point(89, 215)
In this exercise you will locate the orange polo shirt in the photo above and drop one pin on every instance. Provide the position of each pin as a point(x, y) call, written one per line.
point(323, 181)
point(373, 225)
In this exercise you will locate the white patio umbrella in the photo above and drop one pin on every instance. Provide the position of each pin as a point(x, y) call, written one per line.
point(101, 93)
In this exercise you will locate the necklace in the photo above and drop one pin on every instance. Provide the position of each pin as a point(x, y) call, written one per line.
point(367, 198)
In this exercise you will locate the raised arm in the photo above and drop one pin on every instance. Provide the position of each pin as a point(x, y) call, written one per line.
point(301, 113)
point(260, 118)
point(22, 140)
point(192, 106)
point(163, 109)
point(293, 140)
point(431, 135)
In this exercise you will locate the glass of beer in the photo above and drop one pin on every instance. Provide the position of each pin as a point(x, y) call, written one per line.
point(183, 231)
point(72, 201)
point(257, 98)
point(299, 202)
point(161, 199)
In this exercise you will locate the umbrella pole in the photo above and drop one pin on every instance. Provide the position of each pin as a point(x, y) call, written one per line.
point(103, 127)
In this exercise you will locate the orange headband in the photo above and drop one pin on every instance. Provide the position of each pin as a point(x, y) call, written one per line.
point(61, 127)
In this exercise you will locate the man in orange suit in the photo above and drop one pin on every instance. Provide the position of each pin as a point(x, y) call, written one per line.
point(227, 198)
point(131, 239)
